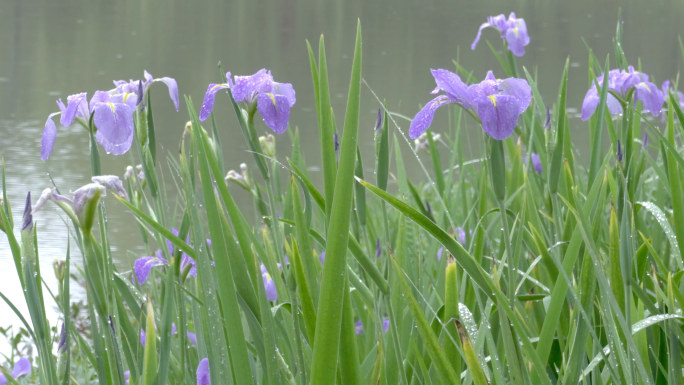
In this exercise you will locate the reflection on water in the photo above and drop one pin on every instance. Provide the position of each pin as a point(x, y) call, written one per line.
point(52, 49)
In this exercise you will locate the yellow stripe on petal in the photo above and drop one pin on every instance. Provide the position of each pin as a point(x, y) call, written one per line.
point(270, 95)
point(493, 99)
point(644, 86)
point(112, 106)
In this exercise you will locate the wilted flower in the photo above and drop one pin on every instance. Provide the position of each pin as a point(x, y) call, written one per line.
point(203, 377)
point(273, 100)
point(81, 208)
point(269, 285)
point(112, 113)
point(21, 368)
point(621, 82)
point(497, 103)
point(514, 30)
point(536, 162)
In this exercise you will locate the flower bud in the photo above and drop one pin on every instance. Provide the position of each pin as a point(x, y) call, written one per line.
point(268, 145)
point(59, 267)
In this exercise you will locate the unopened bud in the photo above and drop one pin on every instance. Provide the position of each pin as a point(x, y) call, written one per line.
point(59, 267)
point(268, 145)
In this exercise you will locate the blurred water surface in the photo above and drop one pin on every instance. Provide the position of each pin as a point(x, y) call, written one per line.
point(50, 49)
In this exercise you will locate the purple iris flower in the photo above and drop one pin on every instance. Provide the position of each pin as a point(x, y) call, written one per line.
point(273, 100)
point(142, 266)
point(621, 82)
point(666, 89)
point(497, 103)
point(385, 324)
point(321, 257)
point(536, 162)
point(358, 327)
point(440, 251)
point(21, 368)
point(269, 285)
point(461, 235)
point(203, 377)
point(112, 114)
point(513, 30)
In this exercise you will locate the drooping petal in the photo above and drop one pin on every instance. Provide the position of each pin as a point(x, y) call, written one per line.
point(499, 115)
point(143, 265)
point(21, 368)
point(173, 89)
point(45, 196)
point(421, 122)
point(589, 104)
point(111, 182)
point(275, 109)
point(208, 102)
point(479, 33)
point(452, 84)
point(203, 377)
point(49, 136)
point(651, 97)
point(245, 88)
point(114, 122)
point(77, 105)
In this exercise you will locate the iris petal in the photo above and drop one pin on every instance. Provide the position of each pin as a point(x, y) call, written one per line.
point(173, 89)
point(421, 122)
point(275, 109)
point(499, 115)
point(75, 107)
point(452, 84)
point(208, 102)
point(49, 136)
point(651, 97)
point(246, 87)
point(21, 368)
point(203, 377)
point(114, 122)
point(143, 265)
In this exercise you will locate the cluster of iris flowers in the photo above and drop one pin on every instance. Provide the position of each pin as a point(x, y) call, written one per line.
point(495, 103)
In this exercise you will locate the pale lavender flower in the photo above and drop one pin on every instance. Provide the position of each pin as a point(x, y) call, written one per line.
point(321, 257)
point(203, 377)
point(142, 266)
point(273, 100)
point(192, 337)
point(497, 103)
point(385, 324)
point(513, 30)
point(621, 82)
point(439, 253)
point(21, 368)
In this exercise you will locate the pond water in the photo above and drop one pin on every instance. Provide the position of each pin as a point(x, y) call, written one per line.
point(51, 49)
